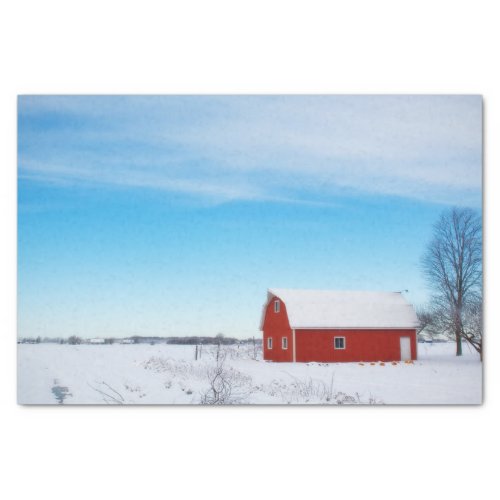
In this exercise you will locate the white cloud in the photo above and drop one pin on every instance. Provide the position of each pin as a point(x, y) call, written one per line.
point(252, 147)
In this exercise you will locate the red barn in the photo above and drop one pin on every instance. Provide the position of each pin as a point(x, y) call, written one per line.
point(333, 326)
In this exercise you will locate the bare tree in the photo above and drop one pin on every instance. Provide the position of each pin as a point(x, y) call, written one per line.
point(220, 384)
point(425, 319)
point(472, 325)
point(453, 267)
point(226, 385)
point(433, 320)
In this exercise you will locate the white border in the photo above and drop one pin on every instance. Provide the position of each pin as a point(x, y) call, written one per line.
point(221, 47)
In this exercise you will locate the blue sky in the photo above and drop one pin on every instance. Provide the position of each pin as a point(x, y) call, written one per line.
point(173, 215)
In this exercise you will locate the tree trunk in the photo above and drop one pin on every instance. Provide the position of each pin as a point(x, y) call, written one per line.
point(458, 339)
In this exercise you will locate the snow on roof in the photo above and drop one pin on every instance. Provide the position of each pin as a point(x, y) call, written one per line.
point(345, 309)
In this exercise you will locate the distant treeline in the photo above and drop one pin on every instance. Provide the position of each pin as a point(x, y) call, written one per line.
point(203, 340)
point(138, 339)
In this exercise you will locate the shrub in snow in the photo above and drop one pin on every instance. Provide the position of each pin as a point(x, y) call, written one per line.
point(315, 392)
point(236, 352)
point(226, 385)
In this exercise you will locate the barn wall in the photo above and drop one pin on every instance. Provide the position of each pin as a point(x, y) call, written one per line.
point(361, 345)
point(276, 325)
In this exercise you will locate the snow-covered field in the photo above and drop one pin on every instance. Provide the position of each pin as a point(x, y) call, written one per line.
point(168, 374)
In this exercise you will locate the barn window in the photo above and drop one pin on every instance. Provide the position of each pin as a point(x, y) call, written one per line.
point(339, 342)
point(269, 342)
point(276, 306)
point(284, 343)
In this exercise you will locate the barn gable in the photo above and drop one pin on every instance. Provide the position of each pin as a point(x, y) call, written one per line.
point(310, 309)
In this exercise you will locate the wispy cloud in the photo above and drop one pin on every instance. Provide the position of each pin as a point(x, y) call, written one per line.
point(259, 147)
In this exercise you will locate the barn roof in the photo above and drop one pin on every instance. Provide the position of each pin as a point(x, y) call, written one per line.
point(345, 309)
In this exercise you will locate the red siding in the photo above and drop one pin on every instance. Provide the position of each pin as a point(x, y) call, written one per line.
point(318, 345)
point(360, 345)
point(276, 326)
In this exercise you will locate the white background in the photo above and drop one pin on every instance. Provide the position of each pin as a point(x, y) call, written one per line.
point(257, 47)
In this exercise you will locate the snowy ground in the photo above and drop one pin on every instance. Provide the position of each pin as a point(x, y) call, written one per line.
point(168, 374)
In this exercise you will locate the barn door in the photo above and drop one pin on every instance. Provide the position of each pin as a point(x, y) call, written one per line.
point(405, 346)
